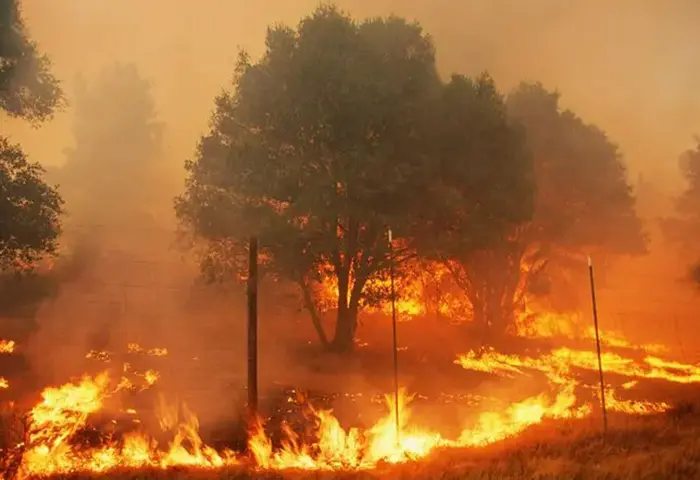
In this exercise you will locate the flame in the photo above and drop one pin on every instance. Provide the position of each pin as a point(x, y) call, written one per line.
point(531, 323)
point(337, 448)
point(4, 383)
point(495, 426)
point(65, 410)
point(417, 296)
point(7, 346)
point(634, 407)
point(153, 352)
point(558, 367)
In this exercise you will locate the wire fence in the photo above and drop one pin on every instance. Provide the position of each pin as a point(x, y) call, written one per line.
point(160, 269)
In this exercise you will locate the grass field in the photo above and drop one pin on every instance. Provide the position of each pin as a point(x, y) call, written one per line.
point(663, 447)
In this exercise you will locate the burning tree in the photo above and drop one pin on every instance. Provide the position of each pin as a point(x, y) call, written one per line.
point(684, 229)
point(337, 133)
point(583, 205)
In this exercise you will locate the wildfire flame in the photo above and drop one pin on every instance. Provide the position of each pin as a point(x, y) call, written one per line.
point(7, 346)
point(65, 410)
point(337, 448)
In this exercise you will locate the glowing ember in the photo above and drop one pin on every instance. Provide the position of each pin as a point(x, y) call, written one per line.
point(154, 352)
point(7, 346)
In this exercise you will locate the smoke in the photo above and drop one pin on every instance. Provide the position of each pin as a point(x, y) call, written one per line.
point(627, 66)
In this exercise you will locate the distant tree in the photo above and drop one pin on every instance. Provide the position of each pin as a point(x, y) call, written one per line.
point(110, 172)
point(583, 206)
point(333, 136)
point(28, 89)
point(684, 228)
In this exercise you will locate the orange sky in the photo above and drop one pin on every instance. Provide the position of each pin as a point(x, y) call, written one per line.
point(630, 65)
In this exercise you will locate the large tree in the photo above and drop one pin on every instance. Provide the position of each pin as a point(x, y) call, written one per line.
point(29, 208)
point(333, 136)
point(583, 206)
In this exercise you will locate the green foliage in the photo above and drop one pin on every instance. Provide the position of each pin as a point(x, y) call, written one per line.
point(28, 89)
point(29, 210)
point(336, 134)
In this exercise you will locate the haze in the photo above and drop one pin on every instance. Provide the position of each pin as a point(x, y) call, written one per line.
point(629, 66)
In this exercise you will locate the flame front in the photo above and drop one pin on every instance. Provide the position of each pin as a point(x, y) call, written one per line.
point(570, 391)
point(65, 410)
point(337, 448)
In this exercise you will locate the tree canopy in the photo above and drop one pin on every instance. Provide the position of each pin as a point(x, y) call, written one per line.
point(583, 205)
point(341, 130)
point(29, 210)
point(28, 88)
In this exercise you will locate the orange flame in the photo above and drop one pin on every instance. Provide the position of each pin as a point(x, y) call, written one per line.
point(7, 346)
point(65, 410)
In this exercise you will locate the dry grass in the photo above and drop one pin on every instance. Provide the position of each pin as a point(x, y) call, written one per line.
point(663, 447)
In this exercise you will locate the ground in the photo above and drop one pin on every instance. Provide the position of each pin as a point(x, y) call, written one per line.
point(664, 447)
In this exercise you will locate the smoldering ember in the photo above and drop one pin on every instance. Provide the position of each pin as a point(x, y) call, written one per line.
point(279, 242)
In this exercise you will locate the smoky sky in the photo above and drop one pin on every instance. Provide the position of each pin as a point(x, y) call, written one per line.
point(630, 66)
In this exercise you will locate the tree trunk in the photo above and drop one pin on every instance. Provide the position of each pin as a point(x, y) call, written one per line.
point(346, 326)
point(348, 309)
point(490, 281)
point(493, 315)
point(313, 313)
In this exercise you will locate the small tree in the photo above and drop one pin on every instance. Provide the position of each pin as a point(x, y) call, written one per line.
point(333, 136)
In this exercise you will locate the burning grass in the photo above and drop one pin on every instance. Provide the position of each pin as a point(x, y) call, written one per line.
point(85, 428)
point(58, 438)
point(662, 446)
